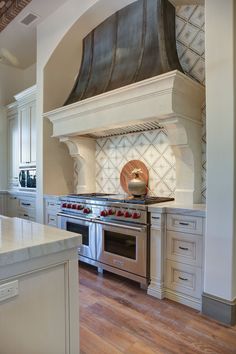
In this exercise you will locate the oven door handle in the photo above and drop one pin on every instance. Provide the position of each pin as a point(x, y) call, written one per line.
point(74, 217)
point(134, 228)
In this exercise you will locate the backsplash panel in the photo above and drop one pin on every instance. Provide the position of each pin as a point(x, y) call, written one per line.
point(152, 147)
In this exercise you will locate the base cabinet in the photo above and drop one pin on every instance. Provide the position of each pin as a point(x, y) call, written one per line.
point(21, 206)
point(177, 246)
point(3, 203)
point(43, 317)
point(51, 208)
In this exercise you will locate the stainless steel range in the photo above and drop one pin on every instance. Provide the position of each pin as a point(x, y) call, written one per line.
point(115, 231)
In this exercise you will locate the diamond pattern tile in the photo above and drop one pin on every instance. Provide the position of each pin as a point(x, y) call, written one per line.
point(152, 147)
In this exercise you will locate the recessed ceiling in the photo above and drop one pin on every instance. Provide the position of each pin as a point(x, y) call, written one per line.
point(18, 38)
point(9, 9)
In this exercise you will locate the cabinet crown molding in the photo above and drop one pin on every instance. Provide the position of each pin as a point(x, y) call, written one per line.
point(27, 95)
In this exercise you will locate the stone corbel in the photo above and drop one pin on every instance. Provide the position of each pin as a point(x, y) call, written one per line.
point(185, 139)
point(82, 150)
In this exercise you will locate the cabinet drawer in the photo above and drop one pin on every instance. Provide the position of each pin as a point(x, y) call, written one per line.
point(185, 223)
point(25, 203)
point(51, 219)
point(156, 219)
point(184, 248)
point(26, 215)
point(55, 205)
point(184, 278)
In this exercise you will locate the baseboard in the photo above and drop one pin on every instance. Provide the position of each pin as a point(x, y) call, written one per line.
point(156, 291)
point(220, 309)
point(160, 293)
point(184, 299)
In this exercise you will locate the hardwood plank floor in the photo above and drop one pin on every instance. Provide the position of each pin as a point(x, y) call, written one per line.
point(116, 316)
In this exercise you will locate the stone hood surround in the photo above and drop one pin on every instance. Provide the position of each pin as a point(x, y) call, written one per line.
point(172, 99)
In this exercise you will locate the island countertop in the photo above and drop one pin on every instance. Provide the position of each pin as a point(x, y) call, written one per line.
point(22, 240)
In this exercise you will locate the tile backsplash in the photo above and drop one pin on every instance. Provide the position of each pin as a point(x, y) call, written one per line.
point(152, 147)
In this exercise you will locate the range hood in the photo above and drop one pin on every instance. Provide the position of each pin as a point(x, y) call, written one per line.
point(170, 99)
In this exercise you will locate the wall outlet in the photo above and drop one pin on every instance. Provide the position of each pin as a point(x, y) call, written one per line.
point(9, 290)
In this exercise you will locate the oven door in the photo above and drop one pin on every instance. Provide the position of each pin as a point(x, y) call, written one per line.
point(123, 246)
point(84, 227)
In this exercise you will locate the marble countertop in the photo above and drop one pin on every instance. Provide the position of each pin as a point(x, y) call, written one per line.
point(22, 240)
point(176, 208)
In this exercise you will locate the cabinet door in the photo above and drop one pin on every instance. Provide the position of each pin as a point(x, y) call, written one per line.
point(13, 152)
point(25, 128)
point(12, 206)
point(32, 112)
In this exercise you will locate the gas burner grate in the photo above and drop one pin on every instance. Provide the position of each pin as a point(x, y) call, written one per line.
point(148, 200)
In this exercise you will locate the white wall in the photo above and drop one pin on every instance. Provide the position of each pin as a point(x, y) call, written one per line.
point(220, 272)
point(14, 80)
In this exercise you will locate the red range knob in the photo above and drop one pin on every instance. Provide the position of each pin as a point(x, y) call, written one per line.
point(104, 213)
point(64, 205)
point(69, 205)
point(80, 207)
point(119, 213)
point(74, 206)
point(111, 212)
point(127, 214)
point(86, 211)
point(136, 215)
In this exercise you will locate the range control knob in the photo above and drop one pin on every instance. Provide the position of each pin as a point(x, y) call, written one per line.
point(68, 205)
point(87, 210)
point(74, 206)
point(136, 215)
point(127, 214)
point(119, 213)
point(64, 205)
point(79, 207)
point(103, 213)
point(111, 212)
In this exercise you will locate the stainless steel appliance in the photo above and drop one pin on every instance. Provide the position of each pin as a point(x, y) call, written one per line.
point(115, 231)
point(27, 178)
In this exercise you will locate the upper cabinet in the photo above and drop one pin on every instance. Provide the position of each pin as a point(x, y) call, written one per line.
point(13, 146)
point(26, 102)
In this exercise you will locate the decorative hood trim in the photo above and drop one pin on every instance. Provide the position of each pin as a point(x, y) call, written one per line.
point(173, 100)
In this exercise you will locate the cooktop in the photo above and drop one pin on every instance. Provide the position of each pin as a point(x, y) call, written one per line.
point(123, 198)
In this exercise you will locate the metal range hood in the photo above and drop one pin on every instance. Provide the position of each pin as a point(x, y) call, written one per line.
point(167, 99)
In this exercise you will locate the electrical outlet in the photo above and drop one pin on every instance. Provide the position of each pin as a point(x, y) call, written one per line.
point(9, 290)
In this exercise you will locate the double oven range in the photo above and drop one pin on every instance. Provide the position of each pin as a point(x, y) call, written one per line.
point(115, 231)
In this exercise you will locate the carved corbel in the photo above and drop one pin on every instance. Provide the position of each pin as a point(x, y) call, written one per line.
point(82, 150)
point(185, 139)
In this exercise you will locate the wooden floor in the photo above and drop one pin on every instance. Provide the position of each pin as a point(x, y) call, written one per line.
point(116, 316)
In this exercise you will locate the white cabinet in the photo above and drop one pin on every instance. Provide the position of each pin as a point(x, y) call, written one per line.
point(51, 208)
point(21, 206)
point(26, 208)
point(13, 146)
point(26, 101)
point(176, 257)
point(3, 196)
point(184, 259)
point(12, 205)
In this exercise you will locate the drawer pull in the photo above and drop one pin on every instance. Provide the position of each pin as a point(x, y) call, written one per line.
point(26, 215)
point(184, 223)
point(183, 248)
point(26, 204)
point(185, 279)
point(156, 217)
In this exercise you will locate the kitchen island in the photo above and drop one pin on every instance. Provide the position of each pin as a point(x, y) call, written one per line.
point(38, 289)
